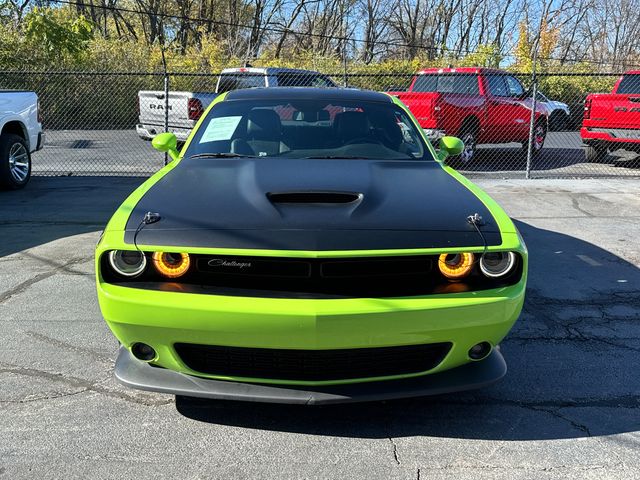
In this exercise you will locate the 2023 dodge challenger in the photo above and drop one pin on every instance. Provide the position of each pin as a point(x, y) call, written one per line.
point(309, 246)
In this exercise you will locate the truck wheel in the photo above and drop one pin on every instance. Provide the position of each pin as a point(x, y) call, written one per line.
point(595, 153)
point(539, 136)
point(468, 137)
point(15, 162)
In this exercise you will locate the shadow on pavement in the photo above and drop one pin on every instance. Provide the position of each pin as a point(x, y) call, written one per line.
point(572, 360)
point(49, 208)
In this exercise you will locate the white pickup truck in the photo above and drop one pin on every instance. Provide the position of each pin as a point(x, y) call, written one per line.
point(20, 135)
point(184, 108)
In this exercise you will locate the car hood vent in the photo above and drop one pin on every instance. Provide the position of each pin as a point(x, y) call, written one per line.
point(313, 197)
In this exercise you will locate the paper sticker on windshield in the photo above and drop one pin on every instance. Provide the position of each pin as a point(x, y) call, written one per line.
point(220, 129)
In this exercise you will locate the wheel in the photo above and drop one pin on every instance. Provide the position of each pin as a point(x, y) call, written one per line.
point(468, 137)
point(15, 162)
point(539, 136)
point(595, 153)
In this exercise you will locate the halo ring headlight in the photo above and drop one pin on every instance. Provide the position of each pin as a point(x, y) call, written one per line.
point(171, 265)
point(455, 266)
point(497, 264)
point(128, 263)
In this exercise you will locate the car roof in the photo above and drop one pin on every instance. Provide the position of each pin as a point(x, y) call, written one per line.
point(268, 70)
point(476, 70)
point(307, 93)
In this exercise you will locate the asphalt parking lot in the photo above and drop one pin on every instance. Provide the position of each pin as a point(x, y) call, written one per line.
point(122, 152)
point(569, 406)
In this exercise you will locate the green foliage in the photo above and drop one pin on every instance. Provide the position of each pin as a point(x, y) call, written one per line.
point(57, 34)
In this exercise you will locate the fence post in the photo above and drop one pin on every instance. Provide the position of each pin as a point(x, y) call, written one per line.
point(532, 118)
point(531, 125)
point(166, 110)
point(344, 65)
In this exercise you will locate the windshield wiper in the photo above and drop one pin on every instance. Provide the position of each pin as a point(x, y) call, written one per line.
point(340, 157)
point(221, 155)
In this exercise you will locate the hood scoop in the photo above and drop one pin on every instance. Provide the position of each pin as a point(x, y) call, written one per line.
point(314, 197)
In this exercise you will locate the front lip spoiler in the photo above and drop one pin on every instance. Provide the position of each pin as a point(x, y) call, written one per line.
point(139, 375)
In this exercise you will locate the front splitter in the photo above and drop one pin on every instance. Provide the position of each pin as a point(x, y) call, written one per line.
point(140, 375)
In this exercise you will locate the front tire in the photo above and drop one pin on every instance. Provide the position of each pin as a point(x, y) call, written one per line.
point(539, 137)
point(15, 162)
point(595, 153)
point(469, 138)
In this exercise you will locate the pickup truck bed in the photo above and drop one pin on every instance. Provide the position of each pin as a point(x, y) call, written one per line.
point(184, 110)
point(611, 121)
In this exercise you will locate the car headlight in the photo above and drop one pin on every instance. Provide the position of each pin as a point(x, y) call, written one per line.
point(455, 265)
point(171, 265)
point(128, 263)
point(497, 264)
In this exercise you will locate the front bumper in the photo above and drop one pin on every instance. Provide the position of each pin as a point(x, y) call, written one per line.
point(434, 134)
point(147, 132)
point(162, 319)
point(41, 139)
point(613, 136)
point(136, 374)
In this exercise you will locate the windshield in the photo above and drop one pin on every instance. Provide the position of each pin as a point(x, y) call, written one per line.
point(308, 129)
point(630, 84)
point(236, 81)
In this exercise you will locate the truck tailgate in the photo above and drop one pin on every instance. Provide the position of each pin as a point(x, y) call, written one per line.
point(152, 107)
point(422, 105)
point(614, 110)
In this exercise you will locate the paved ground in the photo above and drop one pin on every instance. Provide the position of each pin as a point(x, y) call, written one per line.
point(568, 408)
point(122, 152)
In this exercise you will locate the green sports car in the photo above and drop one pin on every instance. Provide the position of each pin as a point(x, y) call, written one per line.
point(309, 246)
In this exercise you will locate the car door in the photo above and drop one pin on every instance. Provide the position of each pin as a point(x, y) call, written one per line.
point(506, 119)
point(521, 107)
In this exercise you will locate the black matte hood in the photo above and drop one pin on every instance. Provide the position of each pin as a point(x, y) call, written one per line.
point(293, 204)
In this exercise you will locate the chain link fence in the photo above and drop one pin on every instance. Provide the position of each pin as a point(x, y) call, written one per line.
point(99, 123)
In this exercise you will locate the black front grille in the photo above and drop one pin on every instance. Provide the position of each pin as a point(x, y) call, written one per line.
point(311, 365)
point(354, 277)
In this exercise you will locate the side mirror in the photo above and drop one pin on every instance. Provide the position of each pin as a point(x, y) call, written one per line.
point(166, 142)
point(450, 146)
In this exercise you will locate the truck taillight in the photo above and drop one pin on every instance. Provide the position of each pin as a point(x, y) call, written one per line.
point(587, 108)
point(38, 112)
point(195, 108)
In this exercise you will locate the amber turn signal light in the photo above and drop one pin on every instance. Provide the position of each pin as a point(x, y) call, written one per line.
point(171, 265)
point(455, 266)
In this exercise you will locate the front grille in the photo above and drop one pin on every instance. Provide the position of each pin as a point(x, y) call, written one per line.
point(311, 365)
point(353, 277)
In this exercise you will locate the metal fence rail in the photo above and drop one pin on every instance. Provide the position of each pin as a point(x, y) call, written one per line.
point(90, 120)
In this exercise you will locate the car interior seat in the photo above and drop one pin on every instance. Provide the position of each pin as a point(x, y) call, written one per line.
point(263, 135)
point(351, 126)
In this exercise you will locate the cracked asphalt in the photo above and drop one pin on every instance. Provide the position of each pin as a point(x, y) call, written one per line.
point(569, 406)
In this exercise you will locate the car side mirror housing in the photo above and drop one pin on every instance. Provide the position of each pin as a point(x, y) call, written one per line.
point(450, 147)
point(168, 143)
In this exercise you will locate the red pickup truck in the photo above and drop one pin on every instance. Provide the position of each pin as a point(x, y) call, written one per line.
point(479, 105)
point(611, 121)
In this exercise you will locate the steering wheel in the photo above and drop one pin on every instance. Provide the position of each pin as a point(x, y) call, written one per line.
point(362, 140)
